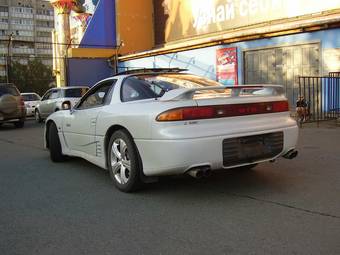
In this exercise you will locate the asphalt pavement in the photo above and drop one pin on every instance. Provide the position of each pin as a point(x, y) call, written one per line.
point(286, 207)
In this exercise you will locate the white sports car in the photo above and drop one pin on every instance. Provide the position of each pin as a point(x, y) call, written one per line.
point(147, 124)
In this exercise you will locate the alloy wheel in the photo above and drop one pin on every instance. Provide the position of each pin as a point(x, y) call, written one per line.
point(120, 161)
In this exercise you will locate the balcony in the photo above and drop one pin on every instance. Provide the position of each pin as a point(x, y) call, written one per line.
point(21, 15)
point(23, 38)
point(23, 51)
point(44, 17)
point(43, 29)
point(3, 14)
point(4, 26)
point(44, 39)
point(22, 27)
point(44, 51)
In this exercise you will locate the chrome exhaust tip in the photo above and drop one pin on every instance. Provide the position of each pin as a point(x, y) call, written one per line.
point(196, 173)
point(199, 172)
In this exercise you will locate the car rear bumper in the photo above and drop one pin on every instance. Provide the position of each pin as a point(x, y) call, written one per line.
point(168, 157)
point(12, 117)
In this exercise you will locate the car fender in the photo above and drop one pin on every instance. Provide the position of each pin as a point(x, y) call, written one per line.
point(58, 118)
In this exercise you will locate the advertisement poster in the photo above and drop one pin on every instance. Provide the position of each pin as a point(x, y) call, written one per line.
point(226, 66)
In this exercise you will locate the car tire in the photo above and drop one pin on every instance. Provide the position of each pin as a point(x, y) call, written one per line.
point(54, 144)
point(124, 162)
point(20, 123)
point(37, 116)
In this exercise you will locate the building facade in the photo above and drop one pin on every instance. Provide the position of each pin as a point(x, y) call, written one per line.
point(232, 41)
point(25, 31)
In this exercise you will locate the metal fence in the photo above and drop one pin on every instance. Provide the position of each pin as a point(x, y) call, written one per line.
point(322, 96)
point(334, 74)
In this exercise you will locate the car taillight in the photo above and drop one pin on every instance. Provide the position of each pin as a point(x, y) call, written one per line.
point(221, 111)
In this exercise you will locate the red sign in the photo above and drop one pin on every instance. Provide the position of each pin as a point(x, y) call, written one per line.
point(226, 66)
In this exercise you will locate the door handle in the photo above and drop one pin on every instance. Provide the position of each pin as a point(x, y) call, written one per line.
point(68, 125)
point(93, 122)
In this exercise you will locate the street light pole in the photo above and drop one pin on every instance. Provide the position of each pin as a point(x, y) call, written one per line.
point(8, 62)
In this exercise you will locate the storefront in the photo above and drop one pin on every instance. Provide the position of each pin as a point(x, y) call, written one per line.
point(233, 41)
point(244, 41)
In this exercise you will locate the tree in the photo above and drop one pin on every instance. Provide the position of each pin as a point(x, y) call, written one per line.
point(31, 77)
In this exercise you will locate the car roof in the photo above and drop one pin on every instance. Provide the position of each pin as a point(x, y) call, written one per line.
point(29, 93)
point(73, 87)
point(123, 75)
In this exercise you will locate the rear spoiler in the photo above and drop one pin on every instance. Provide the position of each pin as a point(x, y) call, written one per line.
point(259, 90)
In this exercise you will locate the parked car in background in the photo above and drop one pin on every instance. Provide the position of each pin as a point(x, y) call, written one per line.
point(53, 99)
point(31, 100)
point(147, 124)
point(12, 107)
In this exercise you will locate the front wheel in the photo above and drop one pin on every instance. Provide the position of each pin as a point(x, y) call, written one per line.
point(124, 164)
point(54, 144)
point(37, 116)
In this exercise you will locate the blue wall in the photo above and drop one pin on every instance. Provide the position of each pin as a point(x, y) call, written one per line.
point(203, 61)
point(101, 30)
point(87, 71)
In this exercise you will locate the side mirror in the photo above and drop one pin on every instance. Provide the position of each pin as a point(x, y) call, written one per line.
point(66, 105)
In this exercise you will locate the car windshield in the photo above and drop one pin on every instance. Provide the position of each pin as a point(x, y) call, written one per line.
point(75, 92)
point(30, 97)
point(8, 90)
point(155, 85)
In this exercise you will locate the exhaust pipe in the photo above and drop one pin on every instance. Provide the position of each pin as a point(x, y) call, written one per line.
point(199, 172)
point(291, 154)
point(207, 172)
point(196, 173)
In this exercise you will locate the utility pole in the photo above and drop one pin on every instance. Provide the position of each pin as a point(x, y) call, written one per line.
point(9, 52)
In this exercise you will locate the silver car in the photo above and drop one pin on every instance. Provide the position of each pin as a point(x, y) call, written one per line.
point(31, 100)
point(53, 99)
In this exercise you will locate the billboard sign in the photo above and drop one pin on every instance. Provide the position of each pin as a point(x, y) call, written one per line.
point(226, 66)
point(188, 18)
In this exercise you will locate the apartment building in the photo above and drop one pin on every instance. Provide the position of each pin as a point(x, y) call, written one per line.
point(28, 25)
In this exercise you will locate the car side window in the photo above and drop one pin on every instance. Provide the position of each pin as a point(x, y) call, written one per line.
point(96, 97)
point(136, 89)
point(46, 96)
point(55, 94)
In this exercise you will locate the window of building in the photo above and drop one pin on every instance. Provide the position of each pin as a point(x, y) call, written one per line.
point(23, 10)
point(3, 9)
point(44, 12)
point(43, 34)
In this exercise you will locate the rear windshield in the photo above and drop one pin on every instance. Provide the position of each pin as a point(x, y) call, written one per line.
point(75, 92)
point(8, 90)
point(152, 86)
point(30, 97)
point(146, 86)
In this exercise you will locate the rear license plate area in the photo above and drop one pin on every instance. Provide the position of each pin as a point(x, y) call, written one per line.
point(248, 149)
